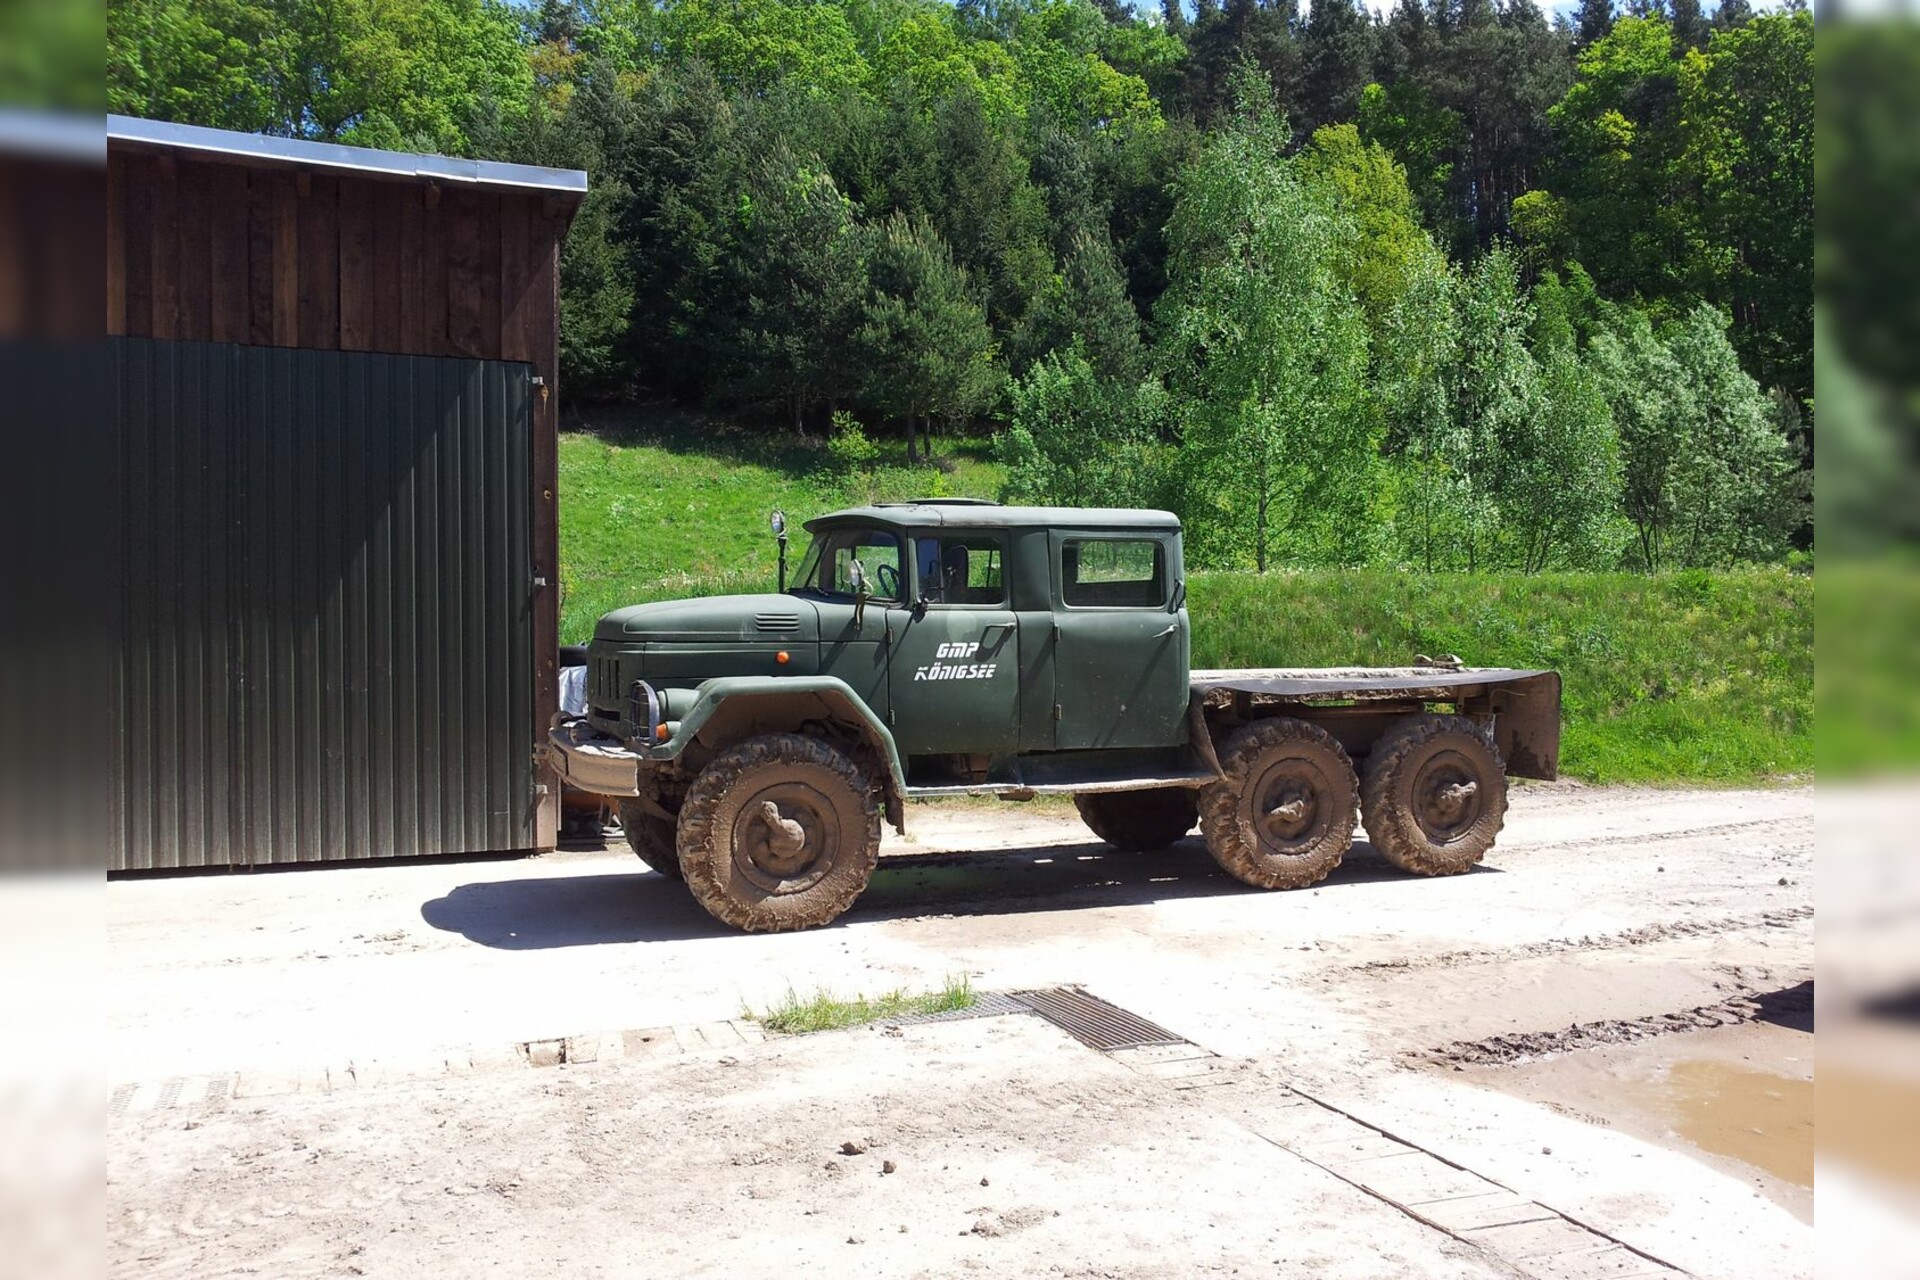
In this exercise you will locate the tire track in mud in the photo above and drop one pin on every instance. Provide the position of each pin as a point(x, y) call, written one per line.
point(1645, 837)
point(1639, 937)
point(1792, 1006)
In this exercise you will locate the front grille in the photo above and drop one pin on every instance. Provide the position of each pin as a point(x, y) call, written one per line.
point(604, 687)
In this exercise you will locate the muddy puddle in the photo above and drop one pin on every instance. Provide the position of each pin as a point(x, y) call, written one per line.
point(1738, 1098)
point(1757, 1117)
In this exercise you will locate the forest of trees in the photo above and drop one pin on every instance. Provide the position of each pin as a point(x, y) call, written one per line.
point(1457, 287)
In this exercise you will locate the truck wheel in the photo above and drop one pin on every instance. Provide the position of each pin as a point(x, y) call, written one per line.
point(1435, 794)
point(652, 837)
point(1138, 821)
point(1283, 816)
point(779, 832)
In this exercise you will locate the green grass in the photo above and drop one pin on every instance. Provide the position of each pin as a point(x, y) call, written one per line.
point(656, 504)
point(1675, 678)
point(796, 1015)
point(1869, 687)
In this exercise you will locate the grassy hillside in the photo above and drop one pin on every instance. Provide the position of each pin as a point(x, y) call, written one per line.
point(1685, 677)
point(660, 504)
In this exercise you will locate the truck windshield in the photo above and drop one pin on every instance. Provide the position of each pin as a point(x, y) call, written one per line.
point(827, 568)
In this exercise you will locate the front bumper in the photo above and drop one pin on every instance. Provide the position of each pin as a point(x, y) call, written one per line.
point(589, 760)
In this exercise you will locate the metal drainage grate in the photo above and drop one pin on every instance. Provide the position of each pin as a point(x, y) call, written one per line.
point(1094, 1022)
point(986, 1004)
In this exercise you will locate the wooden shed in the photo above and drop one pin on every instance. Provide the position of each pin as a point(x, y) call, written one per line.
point(333, 378)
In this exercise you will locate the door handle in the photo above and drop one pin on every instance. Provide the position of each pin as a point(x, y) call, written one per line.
point(992, 627)
point(1165, 631)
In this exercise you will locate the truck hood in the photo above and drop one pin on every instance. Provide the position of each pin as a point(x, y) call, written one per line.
point(763, 618)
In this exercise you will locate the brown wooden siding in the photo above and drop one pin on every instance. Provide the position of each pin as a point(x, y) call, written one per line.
point(208, 251)
point(216, 250)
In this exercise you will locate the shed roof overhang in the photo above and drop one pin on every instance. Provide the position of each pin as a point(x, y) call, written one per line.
point(567, 186)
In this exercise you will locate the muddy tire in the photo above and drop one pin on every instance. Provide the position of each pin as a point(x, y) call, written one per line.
point(1139, 821)
point(779, 832)
point(652, 837)
point(1283, 816)
point(1434, 794)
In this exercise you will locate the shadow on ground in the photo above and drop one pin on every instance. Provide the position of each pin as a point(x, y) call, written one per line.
point(641, 906)
point(1790, 1007)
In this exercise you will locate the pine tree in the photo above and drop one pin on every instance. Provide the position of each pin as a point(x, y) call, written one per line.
point(1087, 306)
point(558, 22)
point(1690, 26)
point(1337, 54)
point(797, 285)
point(1592, 21)
point(1732, 13)
point(925, 345)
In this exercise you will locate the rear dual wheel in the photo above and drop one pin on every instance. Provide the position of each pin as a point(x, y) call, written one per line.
point(1434, 795)
point(1138, 821)
point(1282, 816)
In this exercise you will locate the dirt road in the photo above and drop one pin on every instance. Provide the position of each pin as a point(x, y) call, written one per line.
point(1552, 1066)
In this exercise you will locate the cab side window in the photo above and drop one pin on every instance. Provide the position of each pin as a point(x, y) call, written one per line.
point(1113, 572)
point(961, 568)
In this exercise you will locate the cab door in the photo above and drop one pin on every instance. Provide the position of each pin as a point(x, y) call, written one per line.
point(955, 660)
point(1121, 640)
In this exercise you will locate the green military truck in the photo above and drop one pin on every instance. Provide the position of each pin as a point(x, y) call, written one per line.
point(948, 647)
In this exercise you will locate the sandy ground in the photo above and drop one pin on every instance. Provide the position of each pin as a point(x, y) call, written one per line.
point(327, 1072)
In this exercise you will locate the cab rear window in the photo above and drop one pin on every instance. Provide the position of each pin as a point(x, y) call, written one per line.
point(1114, 572)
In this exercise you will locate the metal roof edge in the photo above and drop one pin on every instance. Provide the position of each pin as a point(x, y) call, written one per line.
point(51, 135)
point(267, 148)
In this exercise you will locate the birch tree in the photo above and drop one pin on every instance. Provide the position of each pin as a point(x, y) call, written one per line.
point(1266, 352)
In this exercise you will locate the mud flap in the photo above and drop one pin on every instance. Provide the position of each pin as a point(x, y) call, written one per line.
point(1527, 725)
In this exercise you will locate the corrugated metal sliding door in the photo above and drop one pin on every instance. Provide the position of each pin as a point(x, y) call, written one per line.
point(325, 631)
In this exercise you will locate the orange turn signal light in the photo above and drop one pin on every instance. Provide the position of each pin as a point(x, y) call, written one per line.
point(783, 657)
point(660, 732)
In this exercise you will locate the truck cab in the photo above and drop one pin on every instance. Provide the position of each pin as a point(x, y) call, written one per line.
point(977, 634)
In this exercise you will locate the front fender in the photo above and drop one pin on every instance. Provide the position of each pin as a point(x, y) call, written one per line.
point(731, 708)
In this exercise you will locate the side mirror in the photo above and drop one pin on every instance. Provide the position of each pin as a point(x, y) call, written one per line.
point(778, 523)
point(857, 579)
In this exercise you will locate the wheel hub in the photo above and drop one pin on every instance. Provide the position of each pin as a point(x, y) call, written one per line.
point(784, 837)
point(1446, 797)
point(1286, 805)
